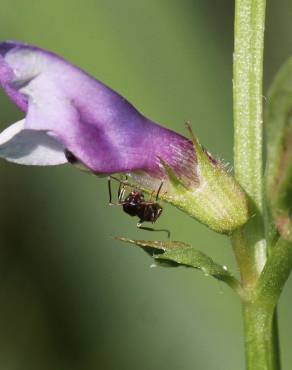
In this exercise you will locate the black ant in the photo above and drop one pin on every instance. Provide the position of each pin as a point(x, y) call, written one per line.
point(134, 204)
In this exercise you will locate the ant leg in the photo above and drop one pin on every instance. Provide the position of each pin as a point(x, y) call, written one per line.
point(121, 192)
point(121, 196)
point(109, 189)
point(139, 225)
point(120, 180)
point(159, 189)
point(157, 194)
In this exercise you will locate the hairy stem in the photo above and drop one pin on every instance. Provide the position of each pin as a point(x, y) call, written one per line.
point(249, 243)
point(248, 115)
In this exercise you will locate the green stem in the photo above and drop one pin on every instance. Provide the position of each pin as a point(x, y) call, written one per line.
point(275, 273)
point(259, 313)
point(260, 341)
point(259, 310)
point(249, 245)
point(248, 112)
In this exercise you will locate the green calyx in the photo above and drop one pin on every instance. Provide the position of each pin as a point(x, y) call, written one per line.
point(216, 199)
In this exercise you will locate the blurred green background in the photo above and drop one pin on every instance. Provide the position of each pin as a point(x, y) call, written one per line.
point(71, 297)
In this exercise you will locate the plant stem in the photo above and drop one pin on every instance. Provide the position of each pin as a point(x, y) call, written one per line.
point(248, 130)
point(259, 312)
point(248, 117)
point(275, 273)
point(260, 341)
point(249, 243)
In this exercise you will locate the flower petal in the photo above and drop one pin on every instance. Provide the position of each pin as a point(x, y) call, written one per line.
point(98, 126)
point(30, 147)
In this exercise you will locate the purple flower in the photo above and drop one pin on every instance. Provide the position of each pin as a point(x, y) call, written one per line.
point(70, 116)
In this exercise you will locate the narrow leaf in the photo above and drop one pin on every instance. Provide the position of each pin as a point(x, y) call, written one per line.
point(177, 253)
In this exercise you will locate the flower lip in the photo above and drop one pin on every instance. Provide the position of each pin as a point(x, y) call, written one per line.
point(30, 146)
point(100, 128)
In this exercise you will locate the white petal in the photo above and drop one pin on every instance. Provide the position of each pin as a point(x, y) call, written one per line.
point(30, 147)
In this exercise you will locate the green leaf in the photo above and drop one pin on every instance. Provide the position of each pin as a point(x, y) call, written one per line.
point(278, 121)
point(175, 253)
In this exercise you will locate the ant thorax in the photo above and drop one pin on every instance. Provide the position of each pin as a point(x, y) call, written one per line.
point(135, 204)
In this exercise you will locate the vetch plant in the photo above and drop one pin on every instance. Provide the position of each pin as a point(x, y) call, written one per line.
point(71, 117)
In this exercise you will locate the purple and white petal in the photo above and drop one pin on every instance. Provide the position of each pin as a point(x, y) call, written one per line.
point(30, 147)
point(90, 120)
